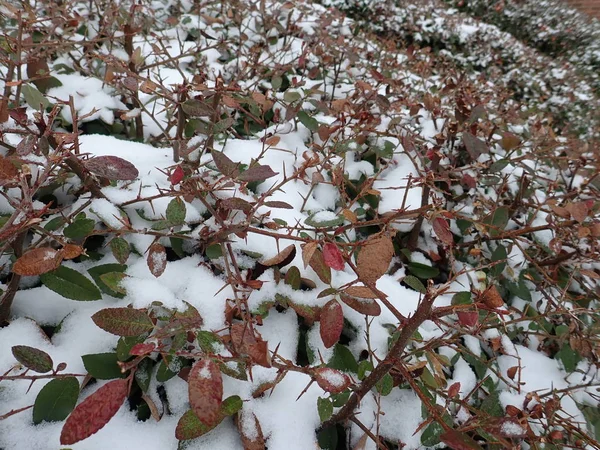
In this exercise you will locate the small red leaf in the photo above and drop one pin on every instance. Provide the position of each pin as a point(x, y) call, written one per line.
point(454, 390)
point(94, 412)
point(142, 349)
point(331, 380)
point(332, 323)
point(176, 176)
point(205, 388)
point(468, 318)
point(333, 257)
point(157, 259)
point(112, 167)
point(442, 230)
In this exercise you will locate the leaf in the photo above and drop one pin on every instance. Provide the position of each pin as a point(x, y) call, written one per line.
point(431, 434)
point(333, 257)
point(324, 408)
point(79, 229)
point(71, 284)
point(441, 227)
point(366, 306)
point(256, 172)
point(492, 298)
point(509, 141)
point(225, 165)
point(176, 176)
point(94, 412)
point(499, 256)
point(157, 259)
point(112, 280)
point(33, 358)
point(474, 145)
point(331, 380)
point(37, 261)
point(34, 98)
point(102, 366)
point(459, 441)
point(120, 249)
point(335, 222)
point(374, 259)
point(142, 349)
point(360, 292)
point(307, 252)
point(197, 108)
point(98, 271)
point(123, 321)
point(175, 213)
point(308, 121)
point(343, 359)
point(317, 263)
point(190, 426)
point(250, 431)
point(578, 210)
point(498, 220)
point(8, 171)
point(293, 278)
point(231, 405)
point(468, 318)
point(332, 323)
point(415, 283)
point(71, 251)
point(236, 203)
point(462, 298)
point(423, 271)
point(283, 258)
point(205, 389)
point(112, 167)
point(56, 400)
point(278, 204)
point(385, 385)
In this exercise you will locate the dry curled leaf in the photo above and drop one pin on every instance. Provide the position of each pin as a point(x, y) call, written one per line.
point(374, 259)
point(37, 261)
point(492, 298)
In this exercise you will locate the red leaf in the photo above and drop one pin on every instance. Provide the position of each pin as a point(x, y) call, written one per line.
point(459, 441)
point(442, 230)
point(454, 390)
point(256, 173)
point(112, 167)
point(468, 318)
point(332, 322)
point(205, 388)
point(331, 380)
point(142, 349)
point(367, 306)
point(123, 321)
point(157, 259)
point(94, 412)
point(333, 257)
point(176, 176)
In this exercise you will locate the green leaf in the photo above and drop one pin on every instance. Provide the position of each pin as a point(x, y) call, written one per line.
point(34, 98)
point(123, 321)
point(104, 269)
point(336, 222)
point(364, 367)
point(498, 220)
point(56, 400)
point(291, 96)
point(79, 229)
point(328, 438)
point(164, 373)
point(462, 298)
point(415, 283)
point(176, 212)
point(214, 251)
point(492, 406)
point(497, 166)
point(54, 224)
point(385, 385)
point(143, 374)
point(422, 270)
point(569, 357)
point(293, 278)
point(340, 399)
point(120, 249)
point(102, 366)
point(325, 408)
point(231, 405)
point(343, 359)
point(113, 281)
point(431, 434)
point(190, 427)
point(308, 121)
point(499, 256)
point(125, 344)
point(208, 341)
point(70, 284)
point(33, 358)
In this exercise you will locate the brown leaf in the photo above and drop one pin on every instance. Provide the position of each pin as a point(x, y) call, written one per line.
point(441, 227)
point(250, 431)
point(454, 389)
point(8, 171)
point(94, 412)
point(112, 167)
point(71, 251)
point(333, 257)
point(256, 173)
point(307, 252)
point(331, 380)
point(237, 204)
point(225, 165)
point(512, 372)
point(205, 388)
point(509, 141)
point(157, 259)
point(278, 204)
point(37, 261)
point(474, 145)
point(332, 323)
point(578, 210)
point(365, 306)
point(283, 258)
point(468, 318)
point(374, 259)
point(459, 441)
point(492, 298)
point(246, 343)
point(360, 292)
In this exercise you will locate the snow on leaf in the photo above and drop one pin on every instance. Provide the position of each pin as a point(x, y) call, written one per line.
point(333, 257)
point(94, 412)
point(123, 321)
point(37, 261)
point(332, 323)
point(331, 380)
point(157, 259)
point(205, 389)
point(112, 167)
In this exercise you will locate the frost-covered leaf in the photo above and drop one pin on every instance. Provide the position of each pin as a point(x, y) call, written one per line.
point(33, 358)
point(205, 388)
point(123, 321)
point(37, 261)
point(94, 412)
point(175, 213)
point(331, 380)
point(332, 323)
point(56, 400)
point(71, 284)
point(112, 167)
